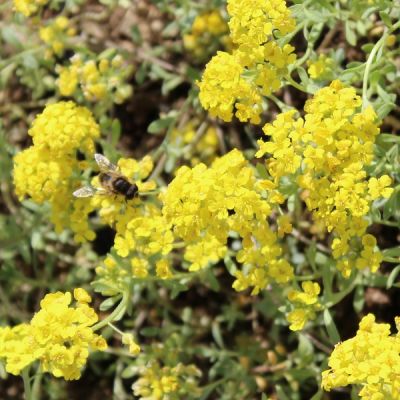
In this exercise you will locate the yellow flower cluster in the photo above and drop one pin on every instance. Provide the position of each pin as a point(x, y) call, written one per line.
point(305, 305)
point(47, 170)
point(56, 35)
point(209, 31)
point(238, 80)
point(59, 336)
point(160, 383)
point(201, 150)
point(326, 153)
point(95, 80)
point(29, 7)
point(370, 359)
point(142, 234)
point(205, 205)
point(321, 68)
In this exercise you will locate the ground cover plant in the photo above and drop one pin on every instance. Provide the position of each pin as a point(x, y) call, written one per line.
point(199, 199)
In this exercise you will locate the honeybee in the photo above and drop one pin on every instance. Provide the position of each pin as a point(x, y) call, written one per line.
point(111, 180)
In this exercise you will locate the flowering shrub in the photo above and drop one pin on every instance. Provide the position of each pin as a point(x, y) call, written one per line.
point(234, 220)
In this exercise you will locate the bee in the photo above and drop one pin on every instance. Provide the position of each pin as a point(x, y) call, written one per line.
point(111, 180)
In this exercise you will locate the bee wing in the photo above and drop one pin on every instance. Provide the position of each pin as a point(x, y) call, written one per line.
point(86, 191)
point(104, 163)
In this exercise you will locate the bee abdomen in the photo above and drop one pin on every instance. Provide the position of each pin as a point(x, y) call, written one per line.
point(131, 192)
point(121, 185)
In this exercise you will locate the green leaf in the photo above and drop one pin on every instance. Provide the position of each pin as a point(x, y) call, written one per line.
point(141, 73)
point(262, 170)
point(10, 35)
point(29, 61)
point(108, 303)
point(385, 18)
point(392, 276)
point(212, 280)
point(37, 242)
point(392, 252)
point(359, 298)
point(281, 393)
point(216, 334)
point(160, 125)
point(171, 84)
point(391, 207)
point(129, 371)
point(331, 327)
point(305, 349)
point(193, 74)
point(318, 395)
point(350, 33)
point(136, 35)
point(177, 288)
point(150, 331)
point(315, 32)
point(115, 131)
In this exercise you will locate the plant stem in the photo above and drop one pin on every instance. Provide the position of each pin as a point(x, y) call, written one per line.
point(378, 45)
point(295, 84)
point(27, 383)
point(36, 385)
point(121, 308)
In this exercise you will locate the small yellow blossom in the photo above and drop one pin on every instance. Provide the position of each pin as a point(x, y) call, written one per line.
point(82, 296)
point(305, 305)
point(163, 269)
point(129, 340)
point(159, 383)
point(379, 187)
point(284, 225)
point(208, 31)
point(321, 68)
point(96, 80)
point(56, 34)
point(29, 7)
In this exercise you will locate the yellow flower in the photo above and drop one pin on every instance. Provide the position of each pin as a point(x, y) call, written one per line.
point(371, 360)
point(55, 35)
point(163, 269)
point(63, 127)
point(68, 80)
point(82, 296)
point(284, 225)
point(379, 187)
point(321, 68)
point(160, 383)
point(327, 153)
point(208, 250)
point(95, 79)
point(253, 21)
point(298, 318)
point(29, 7)
point(49, 170)
point(128, 339)
point(222, 86)
point(238, 80)
point(203, 205)
point(59, 336)
point(305, 305)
